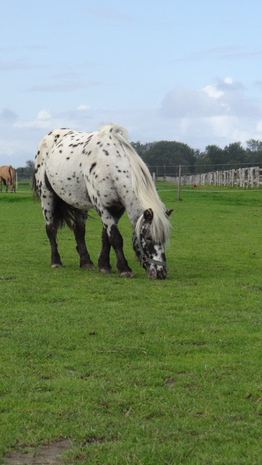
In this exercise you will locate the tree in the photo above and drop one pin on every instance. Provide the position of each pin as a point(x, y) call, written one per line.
point(210, 160)
point(163, 157)
point(235, 154)
point(216, 155)
point(254, 152)
point(254, 145)
point(27, 171)
point(204, 164)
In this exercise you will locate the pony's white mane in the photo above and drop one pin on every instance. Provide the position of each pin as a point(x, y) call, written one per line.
point(143, 186)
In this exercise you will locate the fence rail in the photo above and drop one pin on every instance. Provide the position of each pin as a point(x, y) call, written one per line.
point(241, 177)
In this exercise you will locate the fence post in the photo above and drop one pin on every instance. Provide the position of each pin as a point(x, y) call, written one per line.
point(154, 177)
point(179, 182)
point(241, 177)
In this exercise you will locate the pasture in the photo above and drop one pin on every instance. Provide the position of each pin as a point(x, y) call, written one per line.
point(135, 371)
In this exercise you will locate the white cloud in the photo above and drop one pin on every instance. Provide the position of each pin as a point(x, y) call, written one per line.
point(44, 115)
point(213, 92)
point(218, 90)
point(228, 80)
point(222, 126)
point(43, 120)
point(223, 98)
point(220, 113)
point(83, 107)
point(183, 102)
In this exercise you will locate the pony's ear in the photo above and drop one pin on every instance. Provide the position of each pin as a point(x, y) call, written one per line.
point(168, 212)
point(148, 215)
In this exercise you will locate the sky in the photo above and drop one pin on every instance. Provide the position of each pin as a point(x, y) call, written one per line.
point(185, 71)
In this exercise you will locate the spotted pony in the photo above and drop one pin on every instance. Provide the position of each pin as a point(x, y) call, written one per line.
point(77, 171)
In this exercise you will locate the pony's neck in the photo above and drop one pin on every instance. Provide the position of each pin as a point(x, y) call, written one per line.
point(134, 211)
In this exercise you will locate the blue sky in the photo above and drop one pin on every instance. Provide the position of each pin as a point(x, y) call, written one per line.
point(165, 70)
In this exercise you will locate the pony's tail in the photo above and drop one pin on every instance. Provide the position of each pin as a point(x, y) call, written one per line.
point(34, 189)
point(114, 130)
point(63, 212)
point(10, 174)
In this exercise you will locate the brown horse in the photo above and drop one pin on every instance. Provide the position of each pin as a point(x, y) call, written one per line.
point(7, 176)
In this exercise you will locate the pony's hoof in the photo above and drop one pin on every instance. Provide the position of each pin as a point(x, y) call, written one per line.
point(126, 274)
point(105, 271)
point(56, 265)
point(88, 266)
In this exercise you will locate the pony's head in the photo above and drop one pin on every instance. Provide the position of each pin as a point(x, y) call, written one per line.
point(150, 252)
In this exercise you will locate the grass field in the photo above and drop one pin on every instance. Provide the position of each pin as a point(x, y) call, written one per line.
point(135, 371)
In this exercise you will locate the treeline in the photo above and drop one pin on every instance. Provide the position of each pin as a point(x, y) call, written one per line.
point(26, 172)
point(164, 157)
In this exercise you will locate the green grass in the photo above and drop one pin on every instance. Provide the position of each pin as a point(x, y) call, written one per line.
point(135, 371)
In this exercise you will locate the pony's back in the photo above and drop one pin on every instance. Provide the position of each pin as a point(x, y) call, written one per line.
point(47, 143)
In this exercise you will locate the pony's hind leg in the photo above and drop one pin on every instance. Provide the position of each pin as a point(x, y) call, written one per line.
point(48, 201)
point(51, 231)
point(104, 256)
point(79, 232)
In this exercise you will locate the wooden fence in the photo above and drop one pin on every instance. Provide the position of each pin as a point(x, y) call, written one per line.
point(241, 177)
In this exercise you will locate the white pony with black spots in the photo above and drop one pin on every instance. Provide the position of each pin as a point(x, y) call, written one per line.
point(76, 171)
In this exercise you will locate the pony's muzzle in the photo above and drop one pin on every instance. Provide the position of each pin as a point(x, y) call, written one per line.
point(157, 272)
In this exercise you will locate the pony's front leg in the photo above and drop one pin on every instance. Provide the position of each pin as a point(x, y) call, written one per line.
point(51, 231)
point(116, 241)
point(79, 232)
